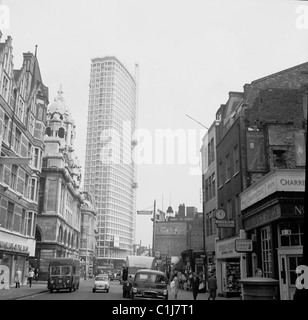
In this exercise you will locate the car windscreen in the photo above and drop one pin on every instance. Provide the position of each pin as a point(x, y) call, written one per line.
point(150, 277)
point(101, 278)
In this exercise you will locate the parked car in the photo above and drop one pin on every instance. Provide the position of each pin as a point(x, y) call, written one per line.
point(101, 282)
point(149, 284)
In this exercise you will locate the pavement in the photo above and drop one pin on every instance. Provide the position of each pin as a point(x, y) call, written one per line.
point(41, 286)
point(24, 291)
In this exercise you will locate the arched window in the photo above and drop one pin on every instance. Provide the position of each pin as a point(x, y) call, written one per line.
point(48, 131)
point(65, 237)
point(60, 234)
point(38, 235)
point(77, 242)
point(61, 133)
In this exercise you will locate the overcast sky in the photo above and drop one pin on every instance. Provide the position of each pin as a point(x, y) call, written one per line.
point(190, 53)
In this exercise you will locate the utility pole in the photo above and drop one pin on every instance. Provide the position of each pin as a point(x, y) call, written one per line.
point(154, 224)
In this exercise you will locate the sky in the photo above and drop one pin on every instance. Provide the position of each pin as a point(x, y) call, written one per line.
point(191, 54)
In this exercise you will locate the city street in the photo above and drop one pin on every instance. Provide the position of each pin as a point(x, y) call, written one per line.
point(39, 291)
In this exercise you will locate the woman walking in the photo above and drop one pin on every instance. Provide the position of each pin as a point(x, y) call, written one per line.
point(175, 284)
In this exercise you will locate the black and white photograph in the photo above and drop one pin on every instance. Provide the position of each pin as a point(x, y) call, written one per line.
point(153, 153)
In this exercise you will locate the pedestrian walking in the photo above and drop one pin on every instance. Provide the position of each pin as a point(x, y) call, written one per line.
point(30, 277)
point(175, 284)
point(195, 285)
point(36, 274)
point(18, 278)
point(212, 285)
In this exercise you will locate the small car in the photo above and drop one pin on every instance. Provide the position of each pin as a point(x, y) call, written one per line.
point(149, 284)
point(101, 282)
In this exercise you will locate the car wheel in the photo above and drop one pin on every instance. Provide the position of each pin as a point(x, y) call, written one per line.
point(51, 291)
point(166, 298)
point(57, 290)
point(107, 290)
point(93, 290)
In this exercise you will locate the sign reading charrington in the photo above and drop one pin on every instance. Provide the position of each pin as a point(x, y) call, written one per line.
point(277, 181)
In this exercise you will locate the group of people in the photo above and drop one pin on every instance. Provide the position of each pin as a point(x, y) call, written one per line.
point(32, 274)
point(195, 282)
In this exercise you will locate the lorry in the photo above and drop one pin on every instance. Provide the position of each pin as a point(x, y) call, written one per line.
point(132, 265)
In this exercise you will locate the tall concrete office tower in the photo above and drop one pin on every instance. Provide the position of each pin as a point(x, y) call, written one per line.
point(110, 170)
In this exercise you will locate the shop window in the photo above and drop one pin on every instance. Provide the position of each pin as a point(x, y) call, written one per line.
point(266, 251)
point(232, 277)
point(292, 234)
point(293, 263)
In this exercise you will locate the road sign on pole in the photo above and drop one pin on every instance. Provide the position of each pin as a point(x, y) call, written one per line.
point(145, 212)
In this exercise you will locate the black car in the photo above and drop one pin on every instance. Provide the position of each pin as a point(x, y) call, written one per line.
point(149, 284)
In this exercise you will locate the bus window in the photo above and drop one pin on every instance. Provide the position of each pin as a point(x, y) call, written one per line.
point(66, 271)
point(55, 270)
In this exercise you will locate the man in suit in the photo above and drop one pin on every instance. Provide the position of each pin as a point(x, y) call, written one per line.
point(195, 285)
point(212, 286)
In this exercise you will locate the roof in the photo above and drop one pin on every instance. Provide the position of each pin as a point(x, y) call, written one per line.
point(150, 271)
point(280, 72)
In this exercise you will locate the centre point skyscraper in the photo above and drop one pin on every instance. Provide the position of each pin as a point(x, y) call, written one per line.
point(110, 170)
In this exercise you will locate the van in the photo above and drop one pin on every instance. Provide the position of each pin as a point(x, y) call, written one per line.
point(63, 273)
point(149, 284)
point(132, 265)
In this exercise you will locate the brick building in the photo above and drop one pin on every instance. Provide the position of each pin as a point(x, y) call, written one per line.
point(260, 142)
point(23, 105)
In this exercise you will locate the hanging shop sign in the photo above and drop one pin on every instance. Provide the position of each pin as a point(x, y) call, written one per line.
point(243, 245)
point(225, 223)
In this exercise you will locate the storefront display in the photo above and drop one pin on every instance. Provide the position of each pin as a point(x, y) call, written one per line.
point(233, 276)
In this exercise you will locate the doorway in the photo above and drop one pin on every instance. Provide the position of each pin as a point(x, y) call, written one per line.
point(288, 261)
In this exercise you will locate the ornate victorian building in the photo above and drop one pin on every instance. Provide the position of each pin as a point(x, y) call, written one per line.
point(58, 223)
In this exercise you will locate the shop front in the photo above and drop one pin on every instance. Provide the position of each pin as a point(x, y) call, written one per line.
point(273, 217)
point(12, 258)
point(228, 270)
